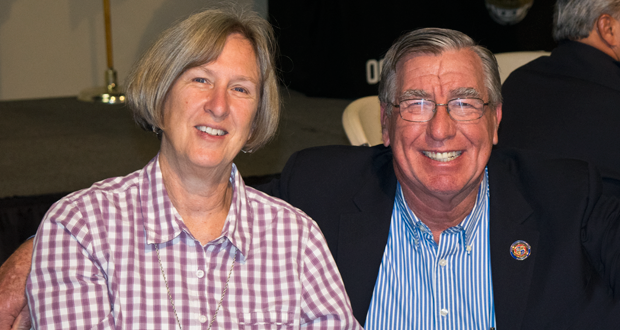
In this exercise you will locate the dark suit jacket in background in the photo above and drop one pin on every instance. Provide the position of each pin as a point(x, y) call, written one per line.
point(566, 104)
point(350, 192)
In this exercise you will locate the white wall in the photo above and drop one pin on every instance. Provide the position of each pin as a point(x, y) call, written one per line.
point(55, 48)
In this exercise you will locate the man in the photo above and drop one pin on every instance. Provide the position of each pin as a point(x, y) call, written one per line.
point(567, 103)
point(423, 237)
point(433, 231)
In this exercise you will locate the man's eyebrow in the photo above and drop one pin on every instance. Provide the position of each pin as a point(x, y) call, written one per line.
point(415, 93)
point(465, 92)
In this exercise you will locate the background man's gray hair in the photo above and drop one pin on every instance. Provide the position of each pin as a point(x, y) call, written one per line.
point(434, 41)
point(574, 19)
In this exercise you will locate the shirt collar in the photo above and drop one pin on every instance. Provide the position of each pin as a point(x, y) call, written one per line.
point(162, 222)
point(465, 229)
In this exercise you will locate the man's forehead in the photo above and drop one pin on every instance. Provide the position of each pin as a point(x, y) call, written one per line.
point(456, 73)
point(459, 92)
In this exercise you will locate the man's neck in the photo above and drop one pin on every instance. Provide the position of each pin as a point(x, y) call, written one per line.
point(595, 41)
point(440, 214)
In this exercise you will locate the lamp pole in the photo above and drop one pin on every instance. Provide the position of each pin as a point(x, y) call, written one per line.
point(111, 92)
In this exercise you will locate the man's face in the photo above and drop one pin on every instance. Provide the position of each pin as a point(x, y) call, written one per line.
point(442, 158)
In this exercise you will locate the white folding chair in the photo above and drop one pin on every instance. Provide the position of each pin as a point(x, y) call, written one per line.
point(508, 62)
point(361, 121)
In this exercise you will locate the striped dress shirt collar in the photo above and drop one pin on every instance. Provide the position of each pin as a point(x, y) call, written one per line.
point(465, 229)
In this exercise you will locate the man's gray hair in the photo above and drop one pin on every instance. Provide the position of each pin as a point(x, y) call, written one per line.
point(435, 41)
point(575, 19)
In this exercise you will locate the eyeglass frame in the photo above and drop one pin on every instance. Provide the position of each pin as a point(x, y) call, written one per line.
point(438, 104)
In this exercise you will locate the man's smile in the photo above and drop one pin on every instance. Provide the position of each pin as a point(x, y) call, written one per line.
point(442, 156)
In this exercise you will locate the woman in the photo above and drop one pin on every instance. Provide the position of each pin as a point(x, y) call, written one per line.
point(182, 242)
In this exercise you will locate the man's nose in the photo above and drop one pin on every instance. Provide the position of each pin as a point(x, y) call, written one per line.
point(441, 126)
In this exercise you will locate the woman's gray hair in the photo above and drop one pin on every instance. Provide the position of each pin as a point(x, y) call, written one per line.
point(435, 41)
point(198, 40)
point(575, 19)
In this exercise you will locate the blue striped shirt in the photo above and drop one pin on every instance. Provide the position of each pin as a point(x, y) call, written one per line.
point(425, 285)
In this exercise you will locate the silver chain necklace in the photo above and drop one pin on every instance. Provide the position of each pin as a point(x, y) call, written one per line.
point(170, 295)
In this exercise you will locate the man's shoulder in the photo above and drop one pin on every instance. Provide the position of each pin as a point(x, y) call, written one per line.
point(544, 65)
point(319, 172)
point(342, 153)
point(338, 160)
point(537, 169)
point(518, 159)
point(571, 62)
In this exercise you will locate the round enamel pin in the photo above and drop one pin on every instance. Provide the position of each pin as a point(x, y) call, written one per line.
point(520, 250)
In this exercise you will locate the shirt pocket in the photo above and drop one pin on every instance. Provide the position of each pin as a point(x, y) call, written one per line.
point(272, 320)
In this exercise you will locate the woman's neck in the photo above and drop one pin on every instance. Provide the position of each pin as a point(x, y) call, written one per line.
point(201, 198)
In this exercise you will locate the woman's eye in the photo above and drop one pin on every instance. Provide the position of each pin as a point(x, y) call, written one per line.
point(200, 80)
point(240, 89)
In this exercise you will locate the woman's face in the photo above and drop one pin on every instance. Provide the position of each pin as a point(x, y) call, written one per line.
point(209, 110)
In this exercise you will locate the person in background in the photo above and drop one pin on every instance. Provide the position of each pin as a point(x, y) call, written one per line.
point(567, 103)
point(183, 242)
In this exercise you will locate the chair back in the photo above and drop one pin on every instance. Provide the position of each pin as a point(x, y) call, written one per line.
point(361, 121)
point(508, 62)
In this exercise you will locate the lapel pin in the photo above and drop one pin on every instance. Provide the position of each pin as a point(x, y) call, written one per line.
point(520, 250)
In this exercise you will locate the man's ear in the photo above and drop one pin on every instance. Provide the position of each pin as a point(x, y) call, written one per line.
point(385, 122)
point(498, 119)
point(607, 30)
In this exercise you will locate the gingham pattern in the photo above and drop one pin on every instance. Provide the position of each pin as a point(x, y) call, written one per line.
point(95, 265)
point(419, 278)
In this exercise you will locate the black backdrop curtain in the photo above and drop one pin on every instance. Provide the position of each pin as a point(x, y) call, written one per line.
point(332, 48)
point(20, 218)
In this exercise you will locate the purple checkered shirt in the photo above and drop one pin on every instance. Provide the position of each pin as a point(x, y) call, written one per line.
point(95, 265)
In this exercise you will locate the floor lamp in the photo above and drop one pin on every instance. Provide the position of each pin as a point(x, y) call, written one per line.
point(111, 92)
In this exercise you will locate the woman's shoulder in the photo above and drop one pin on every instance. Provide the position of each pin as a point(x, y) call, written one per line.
point(280, 221)
point(258, 200)
point(74, 210)
point(113, 185)
point(271, 210)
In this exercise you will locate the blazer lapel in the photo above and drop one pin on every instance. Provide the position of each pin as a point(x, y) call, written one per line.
point(363, 235)
point(510, 220)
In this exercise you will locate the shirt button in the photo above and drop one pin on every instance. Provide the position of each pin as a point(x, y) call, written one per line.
point(469, 248)
point(444, 312)
point(202, 319)
point(200, 273)
point(443, 262)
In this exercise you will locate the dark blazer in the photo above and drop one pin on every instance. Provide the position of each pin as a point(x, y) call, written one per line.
point(554, 205)
point(566, 104)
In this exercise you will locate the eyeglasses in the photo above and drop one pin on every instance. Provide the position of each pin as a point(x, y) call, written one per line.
point(421, 110)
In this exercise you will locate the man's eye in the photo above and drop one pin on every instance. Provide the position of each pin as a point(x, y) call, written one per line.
point(200, 80)
point(240, 89)
point(465, 104)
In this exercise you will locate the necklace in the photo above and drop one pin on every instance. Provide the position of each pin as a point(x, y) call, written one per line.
point(170, 295)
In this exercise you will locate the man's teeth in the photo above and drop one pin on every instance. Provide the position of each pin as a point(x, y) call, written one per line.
point(442, 156)
point(210, 130)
